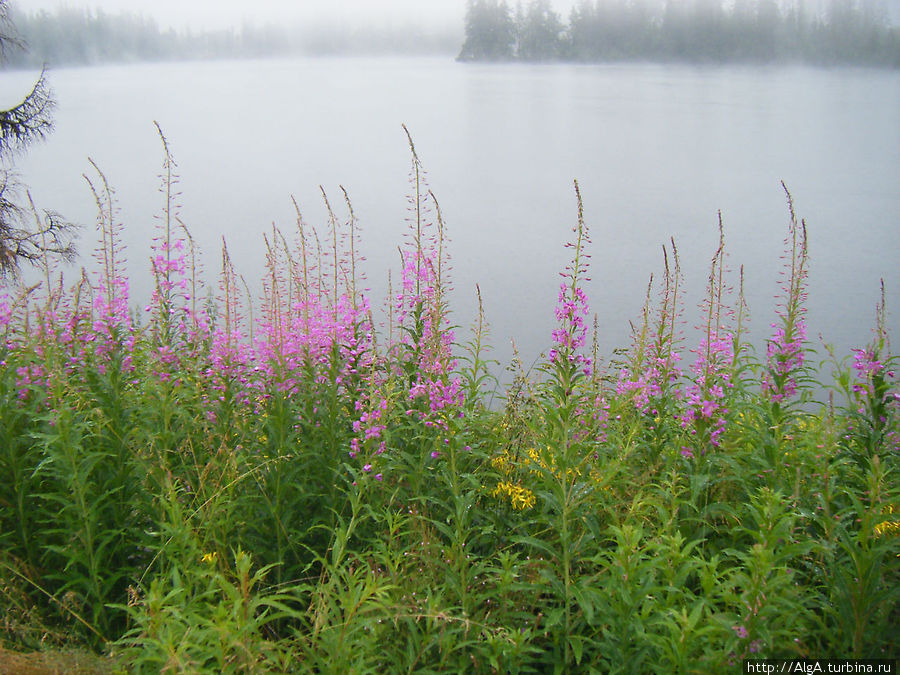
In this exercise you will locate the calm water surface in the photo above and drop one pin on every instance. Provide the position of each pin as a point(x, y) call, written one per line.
point(657, 150)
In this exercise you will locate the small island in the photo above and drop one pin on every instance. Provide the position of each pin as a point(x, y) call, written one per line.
point(750, 31)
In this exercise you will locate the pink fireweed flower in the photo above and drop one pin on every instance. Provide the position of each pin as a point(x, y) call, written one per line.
point(785, 356)
point(874, 388)
point(712, 371)
point(435, 394)
point(571, 334)
point(785, 351)
point(869, 369)
point(111, 330)
point(648, 387)
point(5, 311)
point(421, 356)
point(740, 631)
point(317, 342)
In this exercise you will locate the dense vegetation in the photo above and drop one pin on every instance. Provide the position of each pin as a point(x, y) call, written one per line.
point(757, 31)
point(217, 485)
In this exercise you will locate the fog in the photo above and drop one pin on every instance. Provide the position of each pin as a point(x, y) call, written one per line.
point(217, 14)
point(825, 32)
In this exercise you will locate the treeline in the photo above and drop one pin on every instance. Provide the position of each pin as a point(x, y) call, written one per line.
point(70, 36)
point(82, 36)
point(856, 32)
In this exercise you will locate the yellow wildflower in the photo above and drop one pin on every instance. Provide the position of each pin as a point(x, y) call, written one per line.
point(520, 497)
point(888, 527)
point(503, 462)
point(891, 527)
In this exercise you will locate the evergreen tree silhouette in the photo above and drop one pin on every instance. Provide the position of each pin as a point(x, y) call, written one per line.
point(20, 126)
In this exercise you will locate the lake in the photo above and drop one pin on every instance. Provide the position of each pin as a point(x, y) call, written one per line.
point(658, 150)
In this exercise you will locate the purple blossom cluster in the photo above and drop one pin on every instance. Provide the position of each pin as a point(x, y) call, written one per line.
point(6, 311)
point(416, 380)
point(875, 389)
point(650, 378)
point(785, 350)
point(704, 397)
point(571, 333)
point(867, 365)
point(370, 426)
point(173, 300)
point(230, 372)
point(169, 267)
point(27, 376)
point(593, 416)
point(646, 387)
point(417, 288)
point(311, 337)
point(434, 394)
point(785, 357)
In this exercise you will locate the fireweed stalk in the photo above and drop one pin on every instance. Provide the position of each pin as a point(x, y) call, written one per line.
point(565, 448)
point(420, 373)
point(228, 371)
point(167, 260)
point(111, 333)
point(713, 369)
point(571, 399)
point(651, 374)
point(178, 327)
point(874, 390)
point(573, 382)
point(786, 350)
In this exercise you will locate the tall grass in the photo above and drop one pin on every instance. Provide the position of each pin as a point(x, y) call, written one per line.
point(219, 488)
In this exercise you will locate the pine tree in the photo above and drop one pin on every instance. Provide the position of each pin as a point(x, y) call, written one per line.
point(20, 126)
point(490, 31)
point(540, 33)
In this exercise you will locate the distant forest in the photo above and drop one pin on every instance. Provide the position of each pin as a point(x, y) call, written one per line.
point(70, 36)
point(855, 32)
point(826, 32)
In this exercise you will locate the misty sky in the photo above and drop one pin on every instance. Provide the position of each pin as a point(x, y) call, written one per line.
point(214, 14)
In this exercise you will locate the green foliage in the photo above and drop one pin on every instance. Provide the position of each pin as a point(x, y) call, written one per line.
point(202, 619)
